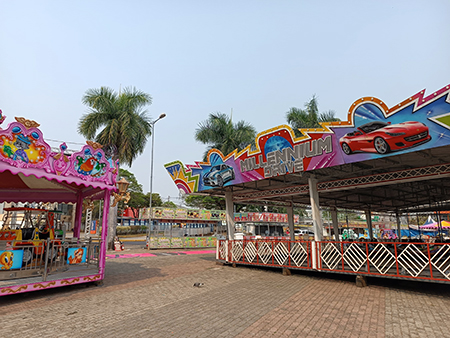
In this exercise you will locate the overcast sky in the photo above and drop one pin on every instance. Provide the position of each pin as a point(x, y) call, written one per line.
point(258, 58)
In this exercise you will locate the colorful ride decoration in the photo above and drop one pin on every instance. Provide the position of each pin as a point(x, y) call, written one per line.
point(11, 259)
point(349, 234)
point(22, 145)
point(388, 234)
point(32, 256)
point(434, 226)
point(76, 255)
point(371, 131)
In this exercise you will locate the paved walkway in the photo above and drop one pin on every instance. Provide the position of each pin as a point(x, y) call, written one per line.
point(153, 296)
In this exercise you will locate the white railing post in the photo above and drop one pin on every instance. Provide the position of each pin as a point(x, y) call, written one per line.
point(313, 255)
point(217, 249)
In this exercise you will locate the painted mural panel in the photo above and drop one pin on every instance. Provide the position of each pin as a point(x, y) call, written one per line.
point(76, 255)
point(372, 131)
point(11, 259)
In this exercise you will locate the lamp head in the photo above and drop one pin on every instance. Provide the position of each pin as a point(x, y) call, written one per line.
point(163, 115)
point(122, 185)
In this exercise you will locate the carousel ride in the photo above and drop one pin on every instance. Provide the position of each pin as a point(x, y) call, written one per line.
point(34, 251)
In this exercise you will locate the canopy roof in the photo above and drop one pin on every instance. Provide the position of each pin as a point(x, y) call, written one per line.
point(31, 172)
point(401, 164)
point(434, 225)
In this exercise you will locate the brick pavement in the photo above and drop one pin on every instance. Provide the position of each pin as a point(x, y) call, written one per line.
point(155, 297)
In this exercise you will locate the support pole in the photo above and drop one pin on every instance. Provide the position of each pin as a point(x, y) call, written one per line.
point(73, 218)
point(103, 245)
point(334, 220)
point(317, 219)
point(418, 226)
point(78, 216)
point(409, 229)
point(290, 216)
point(369, 223)
point(399, 228)
point(229, 214)
point(439, 224)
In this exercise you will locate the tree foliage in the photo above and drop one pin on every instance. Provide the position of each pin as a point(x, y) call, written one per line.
point(120, 124)
point(309, 117)
point(169, 204)
point(117, 121)
point(137, 197)
point(205, 202)
point(219, 132)
point(134, 184)
point(156, 200)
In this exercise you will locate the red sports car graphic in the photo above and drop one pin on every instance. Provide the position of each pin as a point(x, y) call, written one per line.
point(384, 137)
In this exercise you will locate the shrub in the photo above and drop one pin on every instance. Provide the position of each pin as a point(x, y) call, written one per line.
point(123, 230)
point(135, 229)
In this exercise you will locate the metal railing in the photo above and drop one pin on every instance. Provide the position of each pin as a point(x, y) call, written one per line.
point(405, 260)
point(44, 258)
point(276, 253)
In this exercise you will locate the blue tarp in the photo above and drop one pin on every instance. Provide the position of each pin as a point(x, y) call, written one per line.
point(410, 233)
point(417, 233)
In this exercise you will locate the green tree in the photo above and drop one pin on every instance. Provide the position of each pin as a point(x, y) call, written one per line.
point(119, 122)
point(205, 202)
point(156, 200)
point(168, 204)
point(134, 184)
point(137, 201)
point(219, 132)
point(309, 117)
point(137, 197)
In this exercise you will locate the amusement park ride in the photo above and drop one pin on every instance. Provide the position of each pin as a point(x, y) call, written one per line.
point(36, 225)
point(34, 251)
point(391, 160)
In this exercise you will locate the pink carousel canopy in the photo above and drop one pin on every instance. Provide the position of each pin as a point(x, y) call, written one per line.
point(29, 167)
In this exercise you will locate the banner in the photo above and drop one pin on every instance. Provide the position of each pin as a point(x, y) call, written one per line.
point(373, 130)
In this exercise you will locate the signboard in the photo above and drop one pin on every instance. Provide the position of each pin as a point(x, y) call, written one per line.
point(372, 131)
point(164, 242)
point(182, 242)
point(94, 227)
point(186, 214)
point(177, 242)
point(260, 217)
point(181, 213)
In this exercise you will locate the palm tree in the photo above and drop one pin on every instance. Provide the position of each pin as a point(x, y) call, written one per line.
point(219, 132)
point(126, 127)
point(309, 117)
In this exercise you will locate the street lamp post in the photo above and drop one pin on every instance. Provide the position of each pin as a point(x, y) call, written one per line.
point(150, 220)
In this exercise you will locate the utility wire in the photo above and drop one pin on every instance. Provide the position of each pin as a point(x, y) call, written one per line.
point(82, 144)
